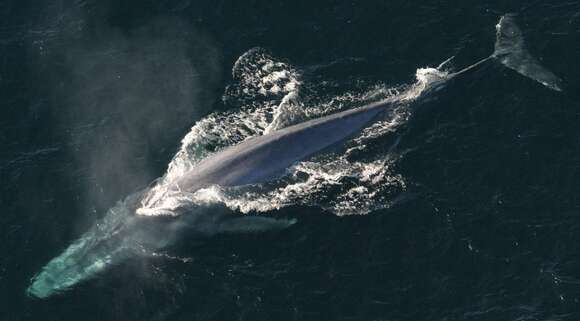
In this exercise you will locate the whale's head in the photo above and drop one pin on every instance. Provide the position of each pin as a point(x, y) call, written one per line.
point(106, 243)
point(97, 249)
point(80, 261)
point(120, 234)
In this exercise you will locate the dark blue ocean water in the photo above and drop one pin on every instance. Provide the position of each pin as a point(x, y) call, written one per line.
point(97, 95)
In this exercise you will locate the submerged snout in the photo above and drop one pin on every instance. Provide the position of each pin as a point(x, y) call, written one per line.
point(119, 235)
point(81, 261)
point(105, 244)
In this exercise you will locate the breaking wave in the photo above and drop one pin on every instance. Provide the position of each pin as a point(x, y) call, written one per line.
point(268, 94)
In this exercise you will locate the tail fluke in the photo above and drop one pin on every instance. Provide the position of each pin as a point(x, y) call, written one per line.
point(511, 51)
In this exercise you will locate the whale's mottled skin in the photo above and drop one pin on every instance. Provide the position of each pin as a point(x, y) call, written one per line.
point(261, 158)
point(121, 232)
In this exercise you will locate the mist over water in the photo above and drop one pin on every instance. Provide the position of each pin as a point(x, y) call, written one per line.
point(465, 202)
point(120, 96)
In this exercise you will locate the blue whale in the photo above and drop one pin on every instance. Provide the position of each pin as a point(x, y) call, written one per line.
point(121, 232)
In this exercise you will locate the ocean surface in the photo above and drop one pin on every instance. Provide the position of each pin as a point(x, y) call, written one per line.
point(461, 203)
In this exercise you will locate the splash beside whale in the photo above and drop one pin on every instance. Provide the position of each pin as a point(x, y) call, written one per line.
point(126, 228)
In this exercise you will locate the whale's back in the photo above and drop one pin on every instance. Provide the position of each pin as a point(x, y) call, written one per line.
point(261, 158)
